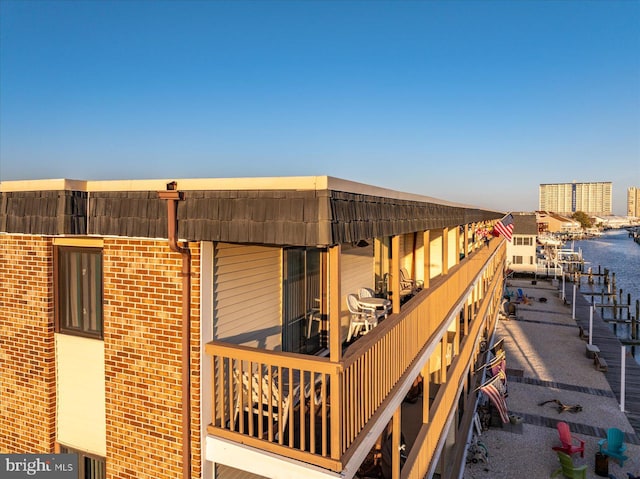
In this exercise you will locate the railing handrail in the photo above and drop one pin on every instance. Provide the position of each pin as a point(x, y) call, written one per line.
point(316, 364)
point(442, 404)
point(357, 379)
point(364, 343)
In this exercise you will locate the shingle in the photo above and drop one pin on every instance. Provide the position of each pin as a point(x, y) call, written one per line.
point(279, 232)
point(275, 217)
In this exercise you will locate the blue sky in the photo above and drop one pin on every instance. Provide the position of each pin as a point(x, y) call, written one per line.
point(476, 102)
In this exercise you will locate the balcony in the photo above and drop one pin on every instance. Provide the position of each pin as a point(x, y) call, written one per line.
point(321, 412)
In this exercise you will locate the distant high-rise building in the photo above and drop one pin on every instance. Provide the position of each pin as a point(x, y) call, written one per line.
point(567, 198)
point(633, 202)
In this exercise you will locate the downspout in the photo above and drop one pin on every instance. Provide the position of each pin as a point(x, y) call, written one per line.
point(172, 195)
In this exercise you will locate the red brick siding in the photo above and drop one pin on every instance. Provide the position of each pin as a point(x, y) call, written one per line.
point(142, 340)
point(27, 350)
point(142, 335)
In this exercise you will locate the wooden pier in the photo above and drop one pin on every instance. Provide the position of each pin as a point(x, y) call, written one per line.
point(611, 350)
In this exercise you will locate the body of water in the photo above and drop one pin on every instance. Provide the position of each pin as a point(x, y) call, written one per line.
point(618, 253)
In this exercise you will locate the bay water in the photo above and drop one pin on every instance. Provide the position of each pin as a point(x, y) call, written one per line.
point(618, 253)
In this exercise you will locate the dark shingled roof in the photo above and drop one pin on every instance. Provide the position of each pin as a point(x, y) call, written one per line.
point(44, 212)
point(277, 217)
point(525, 224)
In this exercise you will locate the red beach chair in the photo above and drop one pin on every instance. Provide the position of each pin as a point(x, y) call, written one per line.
point(568, 444)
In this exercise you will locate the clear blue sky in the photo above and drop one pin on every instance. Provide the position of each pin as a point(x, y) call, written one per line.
point(476, 102)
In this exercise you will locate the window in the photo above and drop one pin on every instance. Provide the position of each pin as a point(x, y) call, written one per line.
point(301, 300)
point(522, 241)
point(517, 260)
point(79, 291)
point(89, 466)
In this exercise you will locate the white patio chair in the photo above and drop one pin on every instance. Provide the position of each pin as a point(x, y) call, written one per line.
point(362, 320)
point(407, 284)
point(366, 293)
point(314, 315)
point(369, 293)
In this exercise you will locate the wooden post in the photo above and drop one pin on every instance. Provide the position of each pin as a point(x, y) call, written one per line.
point(396, 439)
point(456, 342)
point(466, 240)
point(445, 251)
point(335, 349)
point(637, 315)
point(457, 246)
point(426, 381)
point(465, 321)
point(427, 258)
point(395, 274)
point(443, 359)
point(335, 304)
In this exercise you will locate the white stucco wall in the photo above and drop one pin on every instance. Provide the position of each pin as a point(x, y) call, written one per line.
point(81, 411)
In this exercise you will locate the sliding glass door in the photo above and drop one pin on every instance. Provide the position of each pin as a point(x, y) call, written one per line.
point(302, 310)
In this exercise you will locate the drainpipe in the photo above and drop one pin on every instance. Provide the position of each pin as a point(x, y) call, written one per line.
point(172, 195)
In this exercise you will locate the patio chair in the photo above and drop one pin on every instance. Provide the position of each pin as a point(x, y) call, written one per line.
point(313, 316)
point(614, 446)
point(366, 293)
point(407, 284)
point(361, 321)
point(568, 469)
point(269, 404)
point(569, 445)
point(369, 293)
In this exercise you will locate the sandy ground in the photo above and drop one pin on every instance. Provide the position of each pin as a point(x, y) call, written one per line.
point(543, 344)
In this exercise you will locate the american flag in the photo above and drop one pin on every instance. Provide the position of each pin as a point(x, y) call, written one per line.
point(504, 227)
point(495, 390)
point(499, 363)
point(498, 347)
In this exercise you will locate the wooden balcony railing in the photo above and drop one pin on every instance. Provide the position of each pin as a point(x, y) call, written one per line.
point(315, 410)
point(445, 401)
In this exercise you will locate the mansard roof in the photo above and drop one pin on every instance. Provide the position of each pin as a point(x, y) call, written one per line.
point(296, 211)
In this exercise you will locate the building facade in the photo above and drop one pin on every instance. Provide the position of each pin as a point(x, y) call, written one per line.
point(201, 328)
point(566, 198)
point(521, 250)
point(550, 222)
point(633, 202)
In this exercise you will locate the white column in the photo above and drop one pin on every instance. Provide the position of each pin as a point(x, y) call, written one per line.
point(623, 357)
point(573, 305)
point(591, 324)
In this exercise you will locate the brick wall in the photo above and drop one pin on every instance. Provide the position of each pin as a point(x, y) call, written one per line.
point(27, 354)
point(142, 340)
point(142, 335)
